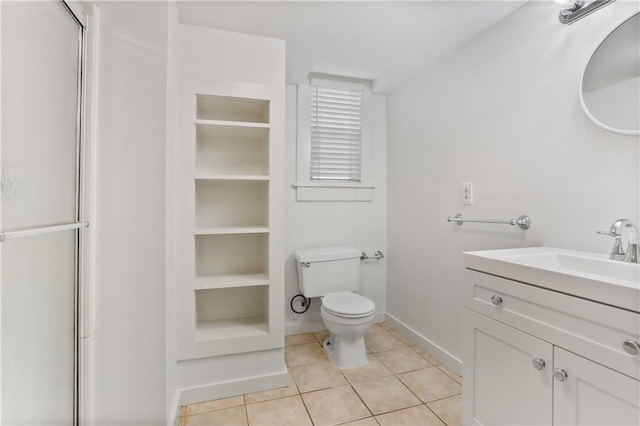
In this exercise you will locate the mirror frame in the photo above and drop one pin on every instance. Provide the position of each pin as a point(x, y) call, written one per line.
point(584, 70)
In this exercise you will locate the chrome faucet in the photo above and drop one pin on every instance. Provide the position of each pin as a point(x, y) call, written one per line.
point(618, 252)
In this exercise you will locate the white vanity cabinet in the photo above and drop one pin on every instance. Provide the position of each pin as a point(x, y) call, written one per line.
point(538, 356)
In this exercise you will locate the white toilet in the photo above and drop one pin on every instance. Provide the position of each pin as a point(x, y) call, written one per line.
point(333, 273)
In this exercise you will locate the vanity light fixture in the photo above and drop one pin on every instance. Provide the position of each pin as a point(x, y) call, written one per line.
point(572, 10)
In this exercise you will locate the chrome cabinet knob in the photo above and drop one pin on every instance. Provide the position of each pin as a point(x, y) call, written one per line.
point(559, 374)
point(631, 347)
point(496, 300)
point(538, 363)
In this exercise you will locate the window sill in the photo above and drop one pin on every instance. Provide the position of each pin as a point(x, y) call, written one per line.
point(320, 191)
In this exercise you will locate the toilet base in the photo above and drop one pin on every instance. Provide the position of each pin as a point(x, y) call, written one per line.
point(346, 352)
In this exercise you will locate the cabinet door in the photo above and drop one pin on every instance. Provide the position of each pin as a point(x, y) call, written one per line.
point(502, 387)
point(592, 394)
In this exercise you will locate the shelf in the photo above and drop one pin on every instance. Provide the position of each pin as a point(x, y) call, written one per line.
point(232, 254)
point(230, 328)
point(231, 203)
point(231, 177)
point(229, 150)
point(211, 107)
point(213, 281)
point(231, 230)
point(232, 123)
point(228, 293)
point(231, 312)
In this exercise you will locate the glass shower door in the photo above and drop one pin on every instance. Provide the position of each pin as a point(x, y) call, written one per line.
point(39, 212)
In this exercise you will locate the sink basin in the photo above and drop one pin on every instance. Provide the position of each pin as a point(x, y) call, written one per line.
point(587, 275)
point(584, 264)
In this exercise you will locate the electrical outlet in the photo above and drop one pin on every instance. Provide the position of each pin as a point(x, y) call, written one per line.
point(466, 194)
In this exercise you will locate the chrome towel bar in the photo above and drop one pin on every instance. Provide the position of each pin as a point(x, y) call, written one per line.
point(9, 235)
point(522, 221)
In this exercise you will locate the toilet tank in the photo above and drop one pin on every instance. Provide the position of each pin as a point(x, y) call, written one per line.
point(328, 269)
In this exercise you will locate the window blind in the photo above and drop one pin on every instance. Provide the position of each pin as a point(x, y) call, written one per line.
point(336, 119)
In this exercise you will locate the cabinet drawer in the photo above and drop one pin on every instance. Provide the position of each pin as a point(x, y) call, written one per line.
point(591, 329)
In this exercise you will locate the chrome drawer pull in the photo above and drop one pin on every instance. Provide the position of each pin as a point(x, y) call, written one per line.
point(538, 363)
point(559, 374)
point(496, 300)
point(631, 347)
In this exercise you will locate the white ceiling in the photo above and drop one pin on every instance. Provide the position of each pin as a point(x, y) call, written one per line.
point(383, 41)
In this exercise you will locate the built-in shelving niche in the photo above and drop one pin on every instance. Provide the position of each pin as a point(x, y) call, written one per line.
point(231, 203)
point(223, 150)
point(223, 108)
point(232, 287)
point(232, 260)
point(231, 312)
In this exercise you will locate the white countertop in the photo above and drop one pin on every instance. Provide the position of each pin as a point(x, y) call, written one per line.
point(586, 275)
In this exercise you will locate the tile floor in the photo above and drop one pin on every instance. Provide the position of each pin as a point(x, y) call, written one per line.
point(401, 385)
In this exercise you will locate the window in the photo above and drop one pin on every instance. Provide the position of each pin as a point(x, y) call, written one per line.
point(336, 133)
point(336, 123)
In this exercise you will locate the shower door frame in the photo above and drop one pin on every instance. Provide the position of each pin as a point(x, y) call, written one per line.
point(79, 224)
point(79, 214)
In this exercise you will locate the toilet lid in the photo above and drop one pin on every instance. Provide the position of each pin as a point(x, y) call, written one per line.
point(347, 303)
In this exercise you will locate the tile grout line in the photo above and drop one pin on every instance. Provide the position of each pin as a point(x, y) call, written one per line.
point(408, 371)
point(419, 399)
point(361, 400)
point(425, 403)
point(246, 410)
point(436, 400)
point(443, 398)
point(453, 372)
point(436, 414)
point(304, 404)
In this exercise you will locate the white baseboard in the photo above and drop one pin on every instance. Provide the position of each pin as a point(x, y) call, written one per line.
point(445, 357)
point(314, 327)
point(174, 410)
point(303, 327)
point(236, 387)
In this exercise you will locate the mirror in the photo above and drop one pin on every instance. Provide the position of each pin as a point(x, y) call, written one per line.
point(610, 90)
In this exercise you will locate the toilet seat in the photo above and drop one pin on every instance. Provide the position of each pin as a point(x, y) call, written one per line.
point(348, 304)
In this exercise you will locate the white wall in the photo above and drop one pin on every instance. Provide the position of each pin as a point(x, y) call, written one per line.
point(129, 225)
point(314, 224)
point(501, 112)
